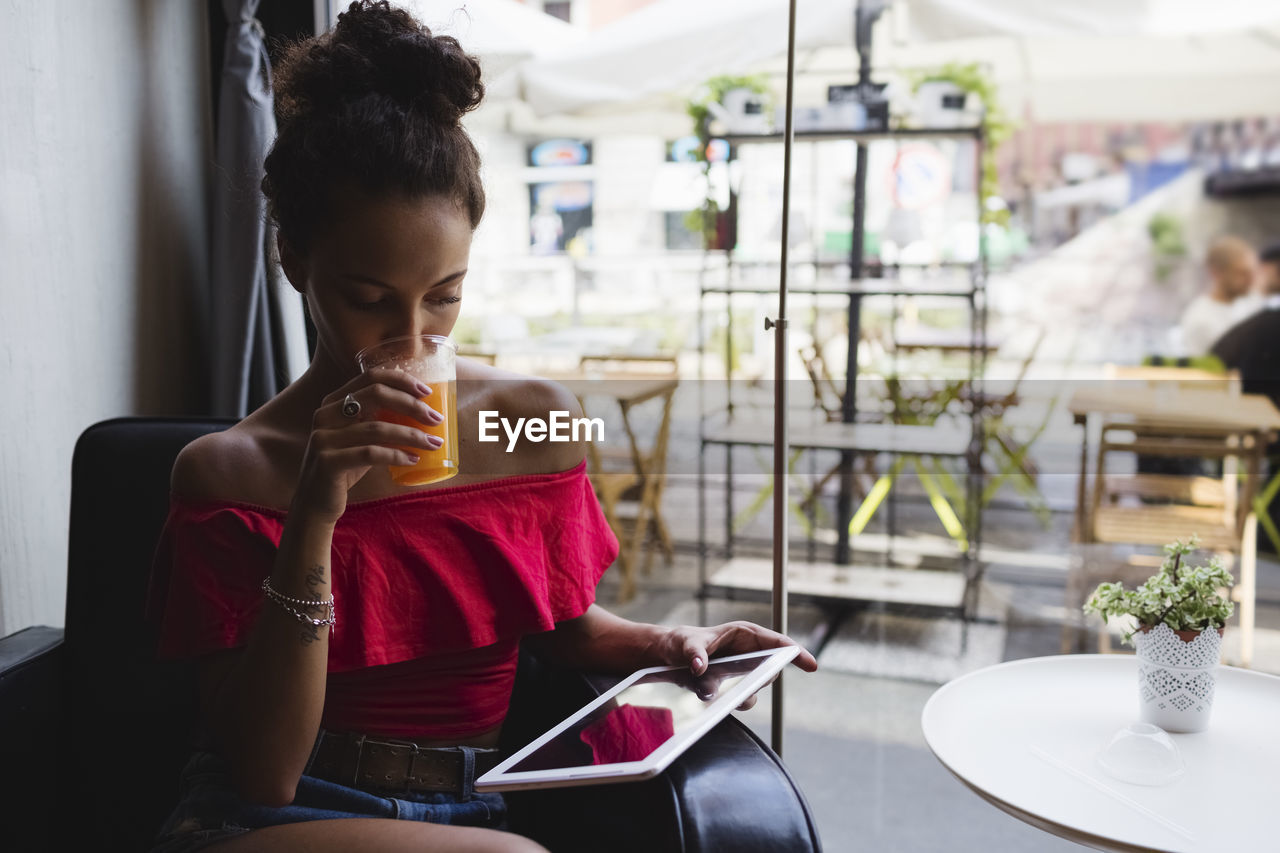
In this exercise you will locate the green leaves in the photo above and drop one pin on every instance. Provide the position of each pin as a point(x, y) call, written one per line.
point(973, 78)
point(698, 107)
point(713, 92)
point(1184, 597)
point(1167, 243)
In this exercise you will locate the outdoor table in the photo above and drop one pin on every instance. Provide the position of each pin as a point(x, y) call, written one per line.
point(934, 440)
point(906, 441)
point(647, 459)
point(628, 389)
point(1193, 409)
point(938, 591)
point(944, 340)
point(1025, 736)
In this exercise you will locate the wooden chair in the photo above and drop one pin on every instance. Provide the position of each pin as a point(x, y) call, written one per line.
point(1011, 453)
point(828, 398)
point(482, 356)
point(1124, 510)
point(1209, 369)
point(634, 474)
point(897, 405)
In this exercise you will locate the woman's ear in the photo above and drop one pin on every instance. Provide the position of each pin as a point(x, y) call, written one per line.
point(295, 268)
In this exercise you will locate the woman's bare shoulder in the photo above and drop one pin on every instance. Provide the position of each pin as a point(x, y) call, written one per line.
point(207, 468)
point(514, 396)
point(245, 462)
point(522, 395)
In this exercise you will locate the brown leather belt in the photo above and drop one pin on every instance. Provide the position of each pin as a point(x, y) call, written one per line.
point(388, 765)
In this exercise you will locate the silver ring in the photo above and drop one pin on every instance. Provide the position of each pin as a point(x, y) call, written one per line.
point(350, 406)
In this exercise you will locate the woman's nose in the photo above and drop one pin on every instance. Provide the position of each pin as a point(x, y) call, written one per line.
point(410, 324)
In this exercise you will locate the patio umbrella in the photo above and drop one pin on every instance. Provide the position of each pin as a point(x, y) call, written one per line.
point(1088, 60)
point(1101, 60)
point(652, 57)
point(500, 32)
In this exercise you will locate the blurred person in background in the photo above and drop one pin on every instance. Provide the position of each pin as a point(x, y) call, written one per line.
point(1232, 265)
point(1252, 346)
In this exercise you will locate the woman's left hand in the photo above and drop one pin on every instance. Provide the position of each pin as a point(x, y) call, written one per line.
point(693, 646)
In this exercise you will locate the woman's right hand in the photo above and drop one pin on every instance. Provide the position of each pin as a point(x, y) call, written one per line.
point(342, 449)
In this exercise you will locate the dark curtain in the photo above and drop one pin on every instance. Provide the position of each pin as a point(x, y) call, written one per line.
point(255, 318)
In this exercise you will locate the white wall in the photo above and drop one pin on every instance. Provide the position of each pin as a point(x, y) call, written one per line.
point(104, 129)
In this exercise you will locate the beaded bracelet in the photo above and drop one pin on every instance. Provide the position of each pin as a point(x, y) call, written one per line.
point(287, 603)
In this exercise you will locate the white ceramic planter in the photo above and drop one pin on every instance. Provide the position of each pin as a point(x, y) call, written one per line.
point(1175, 678)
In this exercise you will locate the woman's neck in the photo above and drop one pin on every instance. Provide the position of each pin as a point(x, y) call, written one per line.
point(321, 378)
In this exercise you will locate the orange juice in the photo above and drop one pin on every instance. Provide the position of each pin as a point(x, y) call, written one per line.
point(431, 360)
point(433, 465)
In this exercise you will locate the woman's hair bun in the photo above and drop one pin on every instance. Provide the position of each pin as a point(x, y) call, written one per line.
point(378, 50)
point(374, 103)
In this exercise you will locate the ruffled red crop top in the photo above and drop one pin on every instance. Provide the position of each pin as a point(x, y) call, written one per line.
point(433, 590)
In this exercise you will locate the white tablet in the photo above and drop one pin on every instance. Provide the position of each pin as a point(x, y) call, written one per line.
point(640, 726)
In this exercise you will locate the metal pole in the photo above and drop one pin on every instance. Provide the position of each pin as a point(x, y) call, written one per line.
point(864, 17)
point(849, 412)
point(780, 438)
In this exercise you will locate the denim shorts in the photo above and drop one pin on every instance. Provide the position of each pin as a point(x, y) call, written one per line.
point(210, 810)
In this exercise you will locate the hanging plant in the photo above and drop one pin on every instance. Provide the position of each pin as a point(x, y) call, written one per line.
point(973, 79)
point(703, 219)
point(1167, 243)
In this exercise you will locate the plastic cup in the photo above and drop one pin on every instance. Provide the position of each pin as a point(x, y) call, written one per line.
point(431, 359)
point(1142, 754)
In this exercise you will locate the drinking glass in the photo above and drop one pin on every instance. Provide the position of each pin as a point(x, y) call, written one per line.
point(431, 359)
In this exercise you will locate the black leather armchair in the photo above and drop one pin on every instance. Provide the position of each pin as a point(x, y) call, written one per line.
point(94, 730)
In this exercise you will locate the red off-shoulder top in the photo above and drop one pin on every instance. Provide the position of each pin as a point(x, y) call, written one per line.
point(433, 590)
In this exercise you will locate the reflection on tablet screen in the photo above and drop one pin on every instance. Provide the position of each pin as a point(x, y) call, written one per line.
point(639, 719)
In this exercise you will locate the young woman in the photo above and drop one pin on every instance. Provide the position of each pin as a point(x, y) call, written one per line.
point(388, 615)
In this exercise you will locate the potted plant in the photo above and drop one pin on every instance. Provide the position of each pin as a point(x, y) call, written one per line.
point(702, 108)
point(974, 79)
point(1178, 617)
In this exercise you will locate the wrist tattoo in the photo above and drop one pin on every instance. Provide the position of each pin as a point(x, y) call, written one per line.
point(315, 577)
point(309, 634)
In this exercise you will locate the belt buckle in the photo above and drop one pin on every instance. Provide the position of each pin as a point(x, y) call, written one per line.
point(359, 759)
point(411, 776)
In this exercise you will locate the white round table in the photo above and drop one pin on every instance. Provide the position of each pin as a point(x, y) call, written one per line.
point(1025, 736)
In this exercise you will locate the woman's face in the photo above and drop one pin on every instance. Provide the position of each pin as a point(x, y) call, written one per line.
point(384, 268)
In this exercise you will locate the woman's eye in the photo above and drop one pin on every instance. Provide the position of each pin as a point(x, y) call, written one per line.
point(368, 306)
point(447, 300)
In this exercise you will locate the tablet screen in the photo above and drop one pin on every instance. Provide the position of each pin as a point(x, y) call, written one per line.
point(638, 720)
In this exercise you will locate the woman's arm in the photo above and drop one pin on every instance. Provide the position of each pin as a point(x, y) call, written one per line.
point(264, 703)
point(603, 642)
point(599, 641)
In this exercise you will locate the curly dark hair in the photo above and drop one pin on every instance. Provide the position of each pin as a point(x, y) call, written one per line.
point(375, 103)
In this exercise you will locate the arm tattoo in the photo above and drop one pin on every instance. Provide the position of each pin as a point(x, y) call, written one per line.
point(315, 577)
